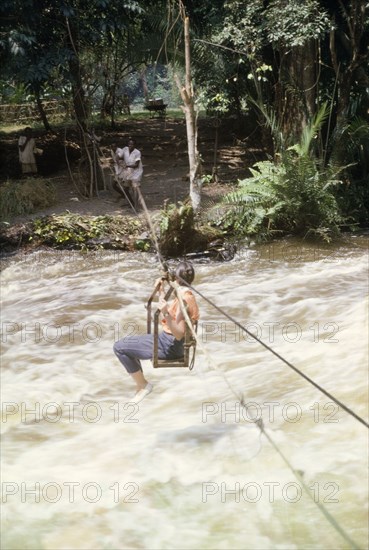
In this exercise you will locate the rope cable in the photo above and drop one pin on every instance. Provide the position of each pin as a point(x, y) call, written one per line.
point(297, 370)
point(298, 476)
point(152, 230)
point(258, 422)
point(220, 310)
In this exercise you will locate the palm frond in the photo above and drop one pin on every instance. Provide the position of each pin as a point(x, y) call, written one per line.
point(311, 130)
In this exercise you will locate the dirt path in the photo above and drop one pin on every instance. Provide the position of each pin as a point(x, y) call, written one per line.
point(164, 151)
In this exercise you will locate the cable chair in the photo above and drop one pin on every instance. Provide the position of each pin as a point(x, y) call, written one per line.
point(189, 345)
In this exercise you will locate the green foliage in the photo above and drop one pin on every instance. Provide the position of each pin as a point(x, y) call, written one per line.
point(290, 197)
point(42, 41)
point(142, 245)
point(237, 59)
point(243, 25)
point(177, 230)
point(350, 146)
point(12, 93)
point(26, 196)
point(68, 229)
point(206, 179)
point(74, 230)
point(294, 194)
point(301, 21)
point(218, 104)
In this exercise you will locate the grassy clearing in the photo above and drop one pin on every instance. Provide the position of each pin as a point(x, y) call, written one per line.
point(95, 121)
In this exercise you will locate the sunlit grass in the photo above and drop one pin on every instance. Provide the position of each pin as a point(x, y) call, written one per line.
point(95, 121)
point(12, 128)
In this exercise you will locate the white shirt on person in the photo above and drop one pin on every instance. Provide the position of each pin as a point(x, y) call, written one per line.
point(27, 155)
point(125, 162)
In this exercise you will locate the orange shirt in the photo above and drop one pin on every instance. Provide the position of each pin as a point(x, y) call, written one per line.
point(192, 309)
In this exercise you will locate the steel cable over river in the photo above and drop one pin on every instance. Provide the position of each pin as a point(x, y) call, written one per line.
point(186, 468)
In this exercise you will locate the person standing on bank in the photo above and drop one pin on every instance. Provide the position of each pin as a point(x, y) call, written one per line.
point(128, 170)
point(131, 349)
point(27, 150)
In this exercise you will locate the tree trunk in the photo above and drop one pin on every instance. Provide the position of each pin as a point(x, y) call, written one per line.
point(191, 124)
point(78, 94)
point(349, 67)
point(79, 100)
point(41, 111)
point(114, 87)
point(144, 85)
point(105, 110)
point(352, 40)
point(297, 89)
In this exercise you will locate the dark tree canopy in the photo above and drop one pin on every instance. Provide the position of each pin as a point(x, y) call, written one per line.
point(280, 62)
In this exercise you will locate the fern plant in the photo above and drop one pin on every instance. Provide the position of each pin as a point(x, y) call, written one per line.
point(292, 194)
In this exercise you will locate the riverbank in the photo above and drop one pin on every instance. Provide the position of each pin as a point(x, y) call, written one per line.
point(164, 151)
point(106, 222)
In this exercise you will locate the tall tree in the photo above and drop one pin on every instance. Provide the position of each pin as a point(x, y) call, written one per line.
point(43, 37)
point(191, 113)
point(295, 40)
point(349, 51)
point(286, 54)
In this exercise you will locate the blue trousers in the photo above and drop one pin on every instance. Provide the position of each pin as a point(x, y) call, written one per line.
point(131, 349)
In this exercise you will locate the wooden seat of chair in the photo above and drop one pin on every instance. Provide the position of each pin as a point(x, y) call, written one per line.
point(180, 363)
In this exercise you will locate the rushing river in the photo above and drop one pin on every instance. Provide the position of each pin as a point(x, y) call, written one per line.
point(187, 468)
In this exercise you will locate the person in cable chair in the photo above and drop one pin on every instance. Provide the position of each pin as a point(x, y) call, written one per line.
point(131, 349)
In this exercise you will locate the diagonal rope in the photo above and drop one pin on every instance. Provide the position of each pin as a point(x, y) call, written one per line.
point(258, 423)
point(152, 230)
point(297, 370)
point(347, 409)
point(298, 476)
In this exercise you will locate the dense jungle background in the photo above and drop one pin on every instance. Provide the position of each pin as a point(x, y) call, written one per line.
point(263, 117)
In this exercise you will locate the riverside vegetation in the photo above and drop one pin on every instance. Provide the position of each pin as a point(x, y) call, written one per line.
point(295, 191)
point(302, 82)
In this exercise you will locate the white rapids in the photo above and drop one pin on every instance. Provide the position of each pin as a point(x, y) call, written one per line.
point(187, 468)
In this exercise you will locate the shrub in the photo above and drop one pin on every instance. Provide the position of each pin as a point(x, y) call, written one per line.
point(284, 198)
point(293, 194)
point(25, 197)
point(76, 231)
point(178, 234)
